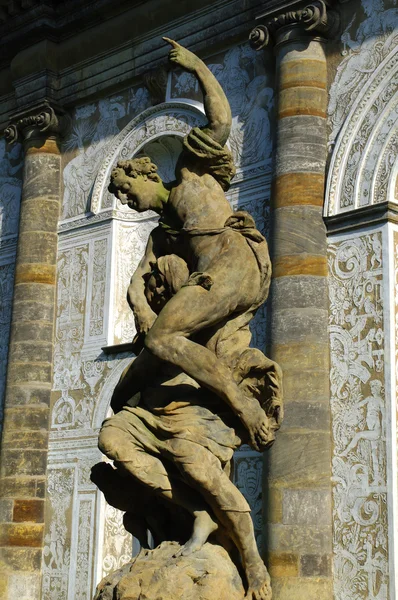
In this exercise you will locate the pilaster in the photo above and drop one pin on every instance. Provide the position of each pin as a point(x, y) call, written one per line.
point(297, 484)
point(29, 375)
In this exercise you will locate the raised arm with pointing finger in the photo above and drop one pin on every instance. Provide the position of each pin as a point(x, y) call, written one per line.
point(215, 102)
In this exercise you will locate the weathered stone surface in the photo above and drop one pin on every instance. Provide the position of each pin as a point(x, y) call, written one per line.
point(296, 324)
point(208, 574)
point(309, 464)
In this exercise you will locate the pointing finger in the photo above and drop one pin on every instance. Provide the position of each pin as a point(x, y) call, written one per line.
point(172, 42)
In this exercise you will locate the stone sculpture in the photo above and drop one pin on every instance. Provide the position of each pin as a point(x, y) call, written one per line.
point(196, 390)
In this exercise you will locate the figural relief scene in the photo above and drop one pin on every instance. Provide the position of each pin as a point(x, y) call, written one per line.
point(363, 106)
point(98, 254)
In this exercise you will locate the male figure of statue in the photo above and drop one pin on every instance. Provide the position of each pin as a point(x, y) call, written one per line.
point(193, 395)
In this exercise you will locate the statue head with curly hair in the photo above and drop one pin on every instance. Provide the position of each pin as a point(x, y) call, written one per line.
point(136, 183)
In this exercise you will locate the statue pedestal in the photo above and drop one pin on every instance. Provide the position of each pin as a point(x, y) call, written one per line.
point(157, 575)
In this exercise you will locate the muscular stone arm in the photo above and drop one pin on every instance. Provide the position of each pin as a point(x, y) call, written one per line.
point(216, 104)
point(143, 314)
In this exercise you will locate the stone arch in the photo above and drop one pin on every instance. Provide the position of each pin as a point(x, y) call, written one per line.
point(169, 119)
point(364, 164)
point(102, 407)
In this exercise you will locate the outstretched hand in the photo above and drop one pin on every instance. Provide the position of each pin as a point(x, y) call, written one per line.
point(181, 56)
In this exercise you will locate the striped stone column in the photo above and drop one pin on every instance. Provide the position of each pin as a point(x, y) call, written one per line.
point(29, 376)
point(297, 474)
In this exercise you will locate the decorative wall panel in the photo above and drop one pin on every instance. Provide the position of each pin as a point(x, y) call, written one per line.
point(363, 112)
point(360, 407)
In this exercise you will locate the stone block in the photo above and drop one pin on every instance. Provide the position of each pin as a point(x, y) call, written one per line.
point(37, 247)
point(42, 214)
point(35, 273)
point(272, 500)
point(307, 415)
point(298, 539)
point(21, 534)
point(291, 189)
point(34, 292)
point(31, 331)
point(303, 72)
point(297, 588)
point(298, 230)
point(32, 352)
point(28, 510)
point(302, 100)
point(282, 565)
point(29, 372)
point(307, 507)
point(294, 292)
point(22, 487)
point(33, 311)
point(28, 393)
point(24, 462)
point(20, 559)
point(299, 460)
point(302, 356)
point(302, 145)
point(41, 177)
point(299, 264)
point(32, 417)
point(299, 324)
point(314, 565)
point(14, 438)
point(310, 386)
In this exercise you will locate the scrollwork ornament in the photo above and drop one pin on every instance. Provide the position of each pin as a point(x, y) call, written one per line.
point(314, 19)
point(42, 121)
point(259, 37)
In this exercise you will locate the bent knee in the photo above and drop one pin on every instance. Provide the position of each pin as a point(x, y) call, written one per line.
point(158, 342)
point(110, 442)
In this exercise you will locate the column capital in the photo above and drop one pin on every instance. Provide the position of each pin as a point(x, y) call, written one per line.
point(315, 20)
point(38, 122)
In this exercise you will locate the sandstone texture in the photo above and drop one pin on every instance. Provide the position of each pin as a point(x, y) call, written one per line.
point(208, 574)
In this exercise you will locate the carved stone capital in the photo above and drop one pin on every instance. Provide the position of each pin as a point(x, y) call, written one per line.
point(314, 20)
point(41, 121)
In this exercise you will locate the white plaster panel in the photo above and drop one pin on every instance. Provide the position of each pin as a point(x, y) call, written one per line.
point(361, 402)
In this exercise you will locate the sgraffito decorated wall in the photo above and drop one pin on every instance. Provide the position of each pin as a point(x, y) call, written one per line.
point(100, 244)
point(363, 116)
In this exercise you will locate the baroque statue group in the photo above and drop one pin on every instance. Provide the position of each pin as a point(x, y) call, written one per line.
point(196, 390)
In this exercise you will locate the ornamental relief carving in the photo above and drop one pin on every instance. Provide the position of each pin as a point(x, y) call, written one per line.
point(363, 112)
point(358, 408)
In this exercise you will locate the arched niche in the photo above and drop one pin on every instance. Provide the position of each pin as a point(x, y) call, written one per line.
point(364, 165)
point(159, 130)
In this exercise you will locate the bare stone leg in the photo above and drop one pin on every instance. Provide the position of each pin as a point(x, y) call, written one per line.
point(203, 472)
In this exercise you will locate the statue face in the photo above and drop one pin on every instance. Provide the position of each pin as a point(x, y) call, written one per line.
point(138, 193)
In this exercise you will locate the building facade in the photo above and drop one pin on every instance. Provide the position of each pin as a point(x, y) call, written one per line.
point(313, 94)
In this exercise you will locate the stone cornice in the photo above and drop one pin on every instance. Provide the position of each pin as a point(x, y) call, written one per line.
point(360, 218)
point(311, 20)
point(41, 121)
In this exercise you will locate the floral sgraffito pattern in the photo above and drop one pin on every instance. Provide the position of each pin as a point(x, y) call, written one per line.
point(358, 419)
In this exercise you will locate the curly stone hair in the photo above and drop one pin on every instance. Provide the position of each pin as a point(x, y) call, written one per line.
point(141, 165)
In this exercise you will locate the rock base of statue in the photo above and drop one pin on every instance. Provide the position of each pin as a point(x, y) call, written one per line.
point(208, 574)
